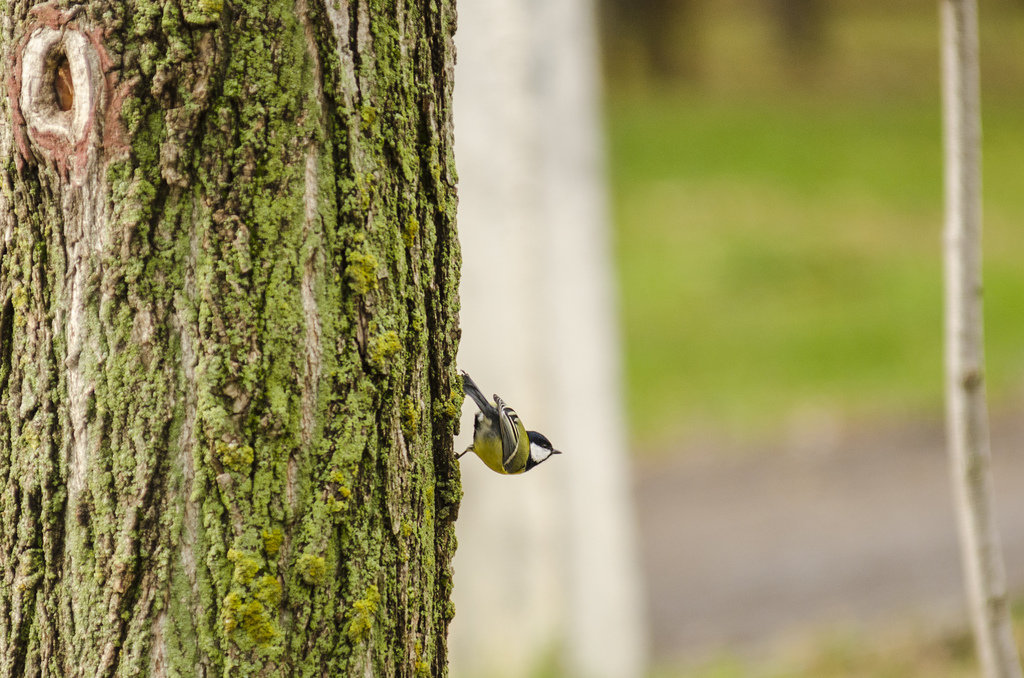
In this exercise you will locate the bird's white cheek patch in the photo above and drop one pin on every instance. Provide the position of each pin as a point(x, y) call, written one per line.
point(538, 453)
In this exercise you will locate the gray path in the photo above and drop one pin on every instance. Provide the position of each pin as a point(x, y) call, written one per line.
point(742, 549)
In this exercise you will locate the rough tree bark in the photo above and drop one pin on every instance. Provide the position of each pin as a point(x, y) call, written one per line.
point(228, 298)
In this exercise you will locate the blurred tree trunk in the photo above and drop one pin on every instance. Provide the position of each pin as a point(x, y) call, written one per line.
point(533, 207)
point(666, 33)
point(671, 38)
point(967, 412)
point(228, 298)
point(801, 25)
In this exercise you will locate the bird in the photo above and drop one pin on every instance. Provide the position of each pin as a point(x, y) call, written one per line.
point(499, 437)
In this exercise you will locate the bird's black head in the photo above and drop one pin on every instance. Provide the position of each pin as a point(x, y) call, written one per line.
point(540, 449)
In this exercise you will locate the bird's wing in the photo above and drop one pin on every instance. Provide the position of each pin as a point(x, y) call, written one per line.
point(510, 432)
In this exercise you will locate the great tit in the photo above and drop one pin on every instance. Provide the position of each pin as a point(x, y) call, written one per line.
point(499, 437)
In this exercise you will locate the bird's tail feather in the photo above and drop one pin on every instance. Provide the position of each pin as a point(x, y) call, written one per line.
point(474, 392)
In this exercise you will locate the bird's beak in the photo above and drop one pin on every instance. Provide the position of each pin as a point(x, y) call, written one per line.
point(556, 451)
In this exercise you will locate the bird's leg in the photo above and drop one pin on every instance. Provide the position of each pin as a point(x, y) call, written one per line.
point(464, 452)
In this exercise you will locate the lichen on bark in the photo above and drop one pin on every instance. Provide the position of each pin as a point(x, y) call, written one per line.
point(226, 356)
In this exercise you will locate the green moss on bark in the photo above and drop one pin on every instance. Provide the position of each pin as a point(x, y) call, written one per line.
point(227, 358)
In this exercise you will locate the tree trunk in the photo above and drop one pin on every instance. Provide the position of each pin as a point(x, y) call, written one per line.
point(532, 206)
point(966, 409)
point(802, 32)
point(228, 322)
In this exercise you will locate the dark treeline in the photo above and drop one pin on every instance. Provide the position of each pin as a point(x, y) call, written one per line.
point(665, 35)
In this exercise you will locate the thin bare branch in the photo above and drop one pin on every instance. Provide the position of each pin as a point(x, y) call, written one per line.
point(967, 416)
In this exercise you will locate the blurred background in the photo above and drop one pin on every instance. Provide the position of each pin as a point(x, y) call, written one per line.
point(724, 220)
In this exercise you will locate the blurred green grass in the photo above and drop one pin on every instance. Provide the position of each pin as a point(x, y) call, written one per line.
point(852, 656)
point(779, 242)
point(893, 651)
